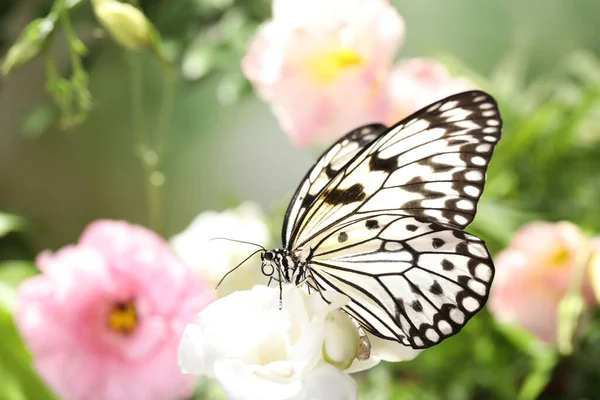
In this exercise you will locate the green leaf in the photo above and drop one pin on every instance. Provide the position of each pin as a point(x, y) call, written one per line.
point(10, 223)
point(19, 380)
point(39, 120)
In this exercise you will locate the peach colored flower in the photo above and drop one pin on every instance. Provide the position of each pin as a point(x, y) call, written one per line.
point(418, 82)
point(595, 267)
point(322, 65)
point(104, 318)
point(534, 273)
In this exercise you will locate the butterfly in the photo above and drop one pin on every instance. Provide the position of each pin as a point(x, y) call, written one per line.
point(380, 218)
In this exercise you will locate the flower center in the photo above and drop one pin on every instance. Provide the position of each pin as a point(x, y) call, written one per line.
point(326, 67)
point(560, 256)
point(123, 318)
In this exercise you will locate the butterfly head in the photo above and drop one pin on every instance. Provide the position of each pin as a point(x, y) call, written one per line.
point(283, 264)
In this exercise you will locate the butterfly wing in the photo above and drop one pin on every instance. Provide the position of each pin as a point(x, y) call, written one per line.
point(431, 165)
point(330, 163)
point(408, 279)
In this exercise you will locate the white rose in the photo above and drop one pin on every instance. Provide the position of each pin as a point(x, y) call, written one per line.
point(214, 258)
point(258, 352)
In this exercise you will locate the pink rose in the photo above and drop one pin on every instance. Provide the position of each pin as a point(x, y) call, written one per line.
point(323, 65)
point(105, 317)
point(418, 82)
point(534, 273)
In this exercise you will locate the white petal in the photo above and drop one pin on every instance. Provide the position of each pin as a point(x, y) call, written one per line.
point(358, 365)
point(193, 356)
point(389, 350)
point(240, 383)
point(341, 340)
point(328, 382)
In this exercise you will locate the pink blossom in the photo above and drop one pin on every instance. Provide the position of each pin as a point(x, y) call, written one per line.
point(323, 65)
point(534, 273)
point(418, 82)
point(104, 318)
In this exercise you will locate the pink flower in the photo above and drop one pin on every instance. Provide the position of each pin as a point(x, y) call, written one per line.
point(534, 273)
point(105, 317)
point(418, 82)
point(323, 65)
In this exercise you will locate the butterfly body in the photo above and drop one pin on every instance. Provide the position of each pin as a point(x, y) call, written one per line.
point(380, 218)
point(288, 266)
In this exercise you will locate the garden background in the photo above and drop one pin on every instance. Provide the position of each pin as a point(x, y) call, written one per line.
point(224, 146)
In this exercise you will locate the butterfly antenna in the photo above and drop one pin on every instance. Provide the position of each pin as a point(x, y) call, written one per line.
point(238, 241)
point(236, 267)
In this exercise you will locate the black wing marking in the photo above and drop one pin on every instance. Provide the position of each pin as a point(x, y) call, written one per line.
point(328, 165)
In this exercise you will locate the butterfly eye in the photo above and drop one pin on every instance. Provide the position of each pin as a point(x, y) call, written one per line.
point(267, 256)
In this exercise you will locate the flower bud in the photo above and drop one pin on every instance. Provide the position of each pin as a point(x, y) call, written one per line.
point(125, 23)
point(28, 45)
point(342, 340)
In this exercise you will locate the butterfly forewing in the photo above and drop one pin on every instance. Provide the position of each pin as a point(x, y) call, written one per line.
point(331, 162)
point(381, 215)
point(430, 165)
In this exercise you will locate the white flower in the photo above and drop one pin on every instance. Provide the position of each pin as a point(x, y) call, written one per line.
point(214, 258)
point(258, 352)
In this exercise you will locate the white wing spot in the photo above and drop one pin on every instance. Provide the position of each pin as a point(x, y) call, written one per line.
point(483, 148)
point(490, 138)
point(465, 205)
point(472, 191)
point(457, 316)
point(364, 131)
point(477, 287)
point(489, 130)
point(483, 272)
point(459, 219)
point(449, 105)
point(485, 106)
point(478, 160)
point(470, 303)
point(434, 107)
point(492, 122)
point(474, 175)
point(488, 113)
point(418, 341)
point(477, 249)
point(432, 335)
point(444, 327)
point(479, 98)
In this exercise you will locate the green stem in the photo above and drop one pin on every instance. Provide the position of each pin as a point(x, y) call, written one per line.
point(141, 149)
point(167, 108)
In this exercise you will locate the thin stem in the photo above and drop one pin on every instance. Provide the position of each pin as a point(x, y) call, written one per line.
point(150, 149)
point(167, 108)
point(142, 150)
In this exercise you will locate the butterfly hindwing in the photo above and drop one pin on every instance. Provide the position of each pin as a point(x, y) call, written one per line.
point(409, 280)
point(328, 165)
point(430, 165)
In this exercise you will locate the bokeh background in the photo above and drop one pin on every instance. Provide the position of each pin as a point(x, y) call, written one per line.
point(219, 151)
point(540, 59)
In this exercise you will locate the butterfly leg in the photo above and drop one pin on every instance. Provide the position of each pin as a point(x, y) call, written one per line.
point(280, 290)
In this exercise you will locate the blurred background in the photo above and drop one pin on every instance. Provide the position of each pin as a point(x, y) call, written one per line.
point(225, 143)
point(540, 59)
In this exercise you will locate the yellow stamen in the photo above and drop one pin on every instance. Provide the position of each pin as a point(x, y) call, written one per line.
point(327, 66)
point(560, 256)
point(123, 318)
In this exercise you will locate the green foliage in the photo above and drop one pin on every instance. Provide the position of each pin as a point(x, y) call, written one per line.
point(545, 167)
point(19, 380)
